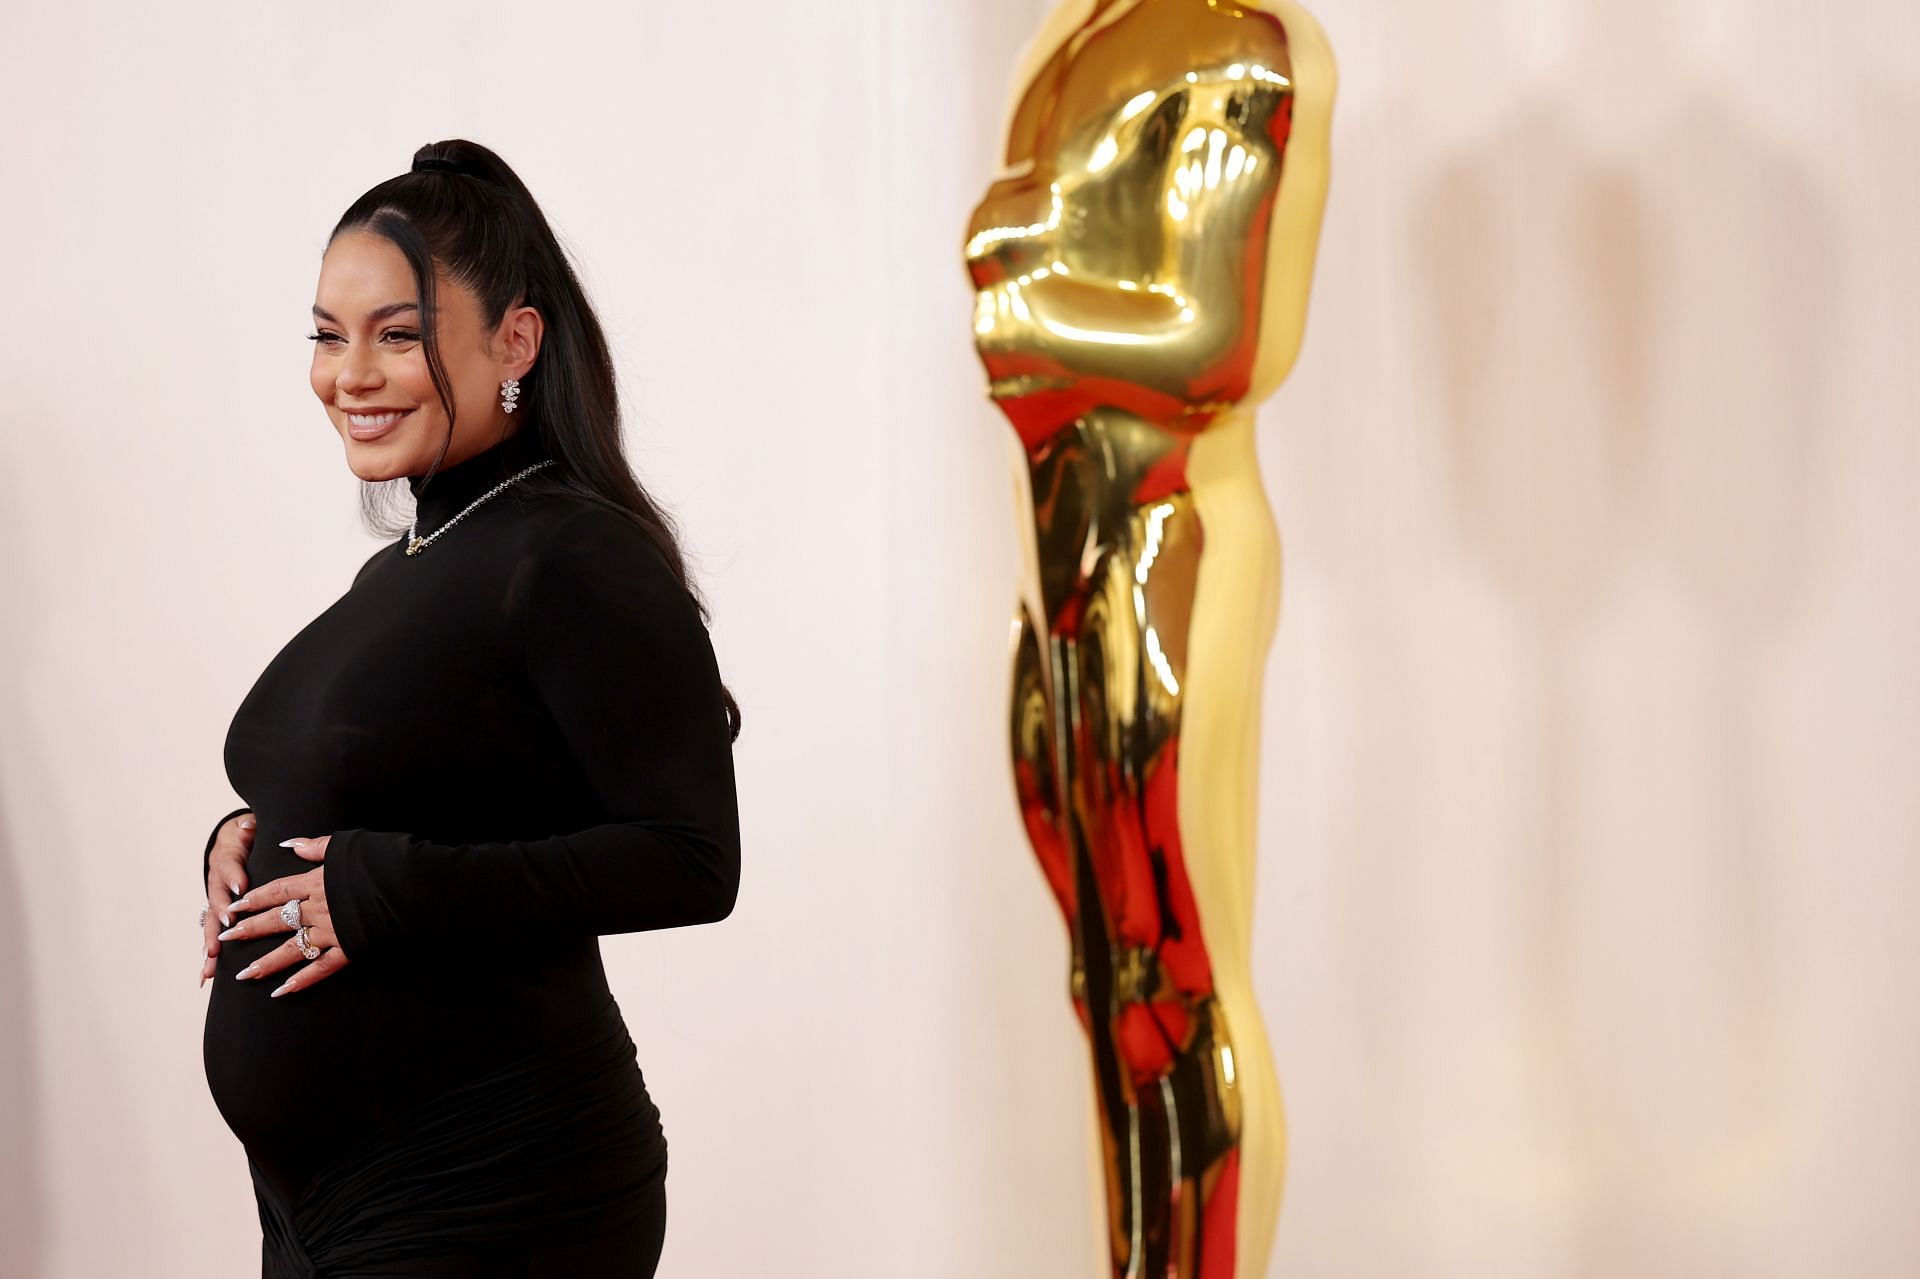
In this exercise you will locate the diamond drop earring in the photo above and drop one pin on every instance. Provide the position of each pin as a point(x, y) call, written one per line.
point(509, 392)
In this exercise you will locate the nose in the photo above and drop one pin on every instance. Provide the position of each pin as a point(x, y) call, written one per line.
point(359, 373)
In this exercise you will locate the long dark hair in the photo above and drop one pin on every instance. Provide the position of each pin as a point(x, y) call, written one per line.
point(469, 213)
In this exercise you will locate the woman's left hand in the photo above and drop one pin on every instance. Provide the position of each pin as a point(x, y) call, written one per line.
point(310, 890)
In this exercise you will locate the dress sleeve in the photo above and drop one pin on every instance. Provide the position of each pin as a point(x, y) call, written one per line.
point(213, 836)
point(616, 652)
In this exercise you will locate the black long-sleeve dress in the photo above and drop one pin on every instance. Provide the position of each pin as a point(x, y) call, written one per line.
point(517, 742)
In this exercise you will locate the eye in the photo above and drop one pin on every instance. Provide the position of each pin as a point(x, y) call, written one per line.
point(325, 337)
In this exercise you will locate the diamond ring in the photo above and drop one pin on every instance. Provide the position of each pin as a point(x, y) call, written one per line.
point(307, 948)
point(203, 917)
point(290, 913)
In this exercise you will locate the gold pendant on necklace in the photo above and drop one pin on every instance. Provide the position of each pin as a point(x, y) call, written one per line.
point(413, 547)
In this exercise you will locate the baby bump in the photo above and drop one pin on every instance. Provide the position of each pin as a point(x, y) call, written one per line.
point(300, 1077)
point(305, 1076)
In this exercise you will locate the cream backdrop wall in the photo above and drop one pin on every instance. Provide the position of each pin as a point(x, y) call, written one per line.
point(1589, 815)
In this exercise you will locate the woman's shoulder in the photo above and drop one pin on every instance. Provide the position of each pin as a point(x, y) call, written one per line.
point(582, 541)
point(575, 524)
point(599, 589)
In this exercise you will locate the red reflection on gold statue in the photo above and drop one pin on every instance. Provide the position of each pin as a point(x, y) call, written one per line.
point(1141, 269)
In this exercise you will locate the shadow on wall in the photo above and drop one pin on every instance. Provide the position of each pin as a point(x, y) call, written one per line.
point(22, 1197)
point(1628, 345)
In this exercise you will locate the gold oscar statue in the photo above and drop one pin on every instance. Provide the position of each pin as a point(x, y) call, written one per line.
point(1141, 268)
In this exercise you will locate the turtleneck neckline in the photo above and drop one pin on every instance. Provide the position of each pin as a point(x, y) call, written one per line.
point(444, 494)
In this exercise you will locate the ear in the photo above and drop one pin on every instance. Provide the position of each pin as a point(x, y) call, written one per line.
point(521, 330)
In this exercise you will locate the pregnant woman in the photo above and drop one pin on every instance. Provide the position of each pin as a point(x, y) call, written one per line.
point(507, 739)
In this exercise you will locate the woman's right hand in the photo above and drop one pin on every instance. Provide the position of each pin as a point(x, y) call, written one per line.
point(226, 881)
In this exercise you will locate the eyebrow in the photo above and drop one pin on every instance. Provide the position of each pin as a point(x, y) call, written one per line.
point(378, 313)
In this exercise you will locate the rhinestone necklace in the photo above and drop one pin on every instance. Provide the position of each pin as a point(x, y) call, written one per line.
point(416, 543)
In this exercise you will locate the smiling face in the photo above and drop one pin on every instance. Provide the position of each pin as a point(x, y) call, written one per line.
point(369, 362)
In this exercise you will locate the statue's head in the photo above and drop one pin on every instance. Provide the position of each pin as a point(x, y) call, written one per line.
point(1150, 241)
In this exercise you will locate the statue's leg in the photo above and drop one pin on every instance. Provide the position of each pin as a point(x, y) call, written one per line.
point(1131, 1138)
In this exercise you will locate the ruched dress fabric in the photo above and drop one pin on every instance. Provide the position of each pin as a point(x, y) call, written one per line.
point(518, 743)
